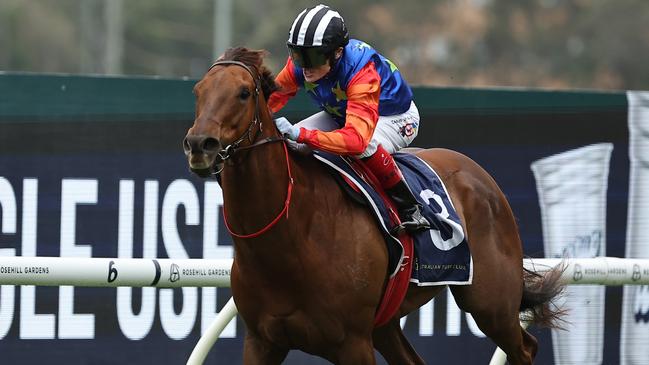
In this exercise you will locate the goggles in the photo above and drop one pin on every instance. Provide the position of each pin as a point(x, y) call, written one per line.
point(307, 57)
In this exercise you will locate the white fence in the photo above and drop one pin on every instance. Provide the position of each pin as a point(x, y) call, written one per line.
point(113, 272)
point(172, 273)
point(175, 273)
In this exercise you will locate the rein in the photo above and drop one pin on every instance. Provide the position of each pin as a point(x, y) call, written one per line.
point(233, 147)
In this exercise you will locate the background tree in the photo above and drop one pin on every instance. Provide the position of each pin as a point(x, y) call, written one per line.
point(536, 43)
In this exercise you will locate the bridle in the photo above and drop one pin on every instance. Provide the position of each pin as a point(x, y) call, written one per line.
point(229, 150)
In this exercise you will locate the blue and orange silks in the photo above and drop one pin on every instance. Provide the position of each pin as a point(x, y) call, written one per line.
point(361, 86)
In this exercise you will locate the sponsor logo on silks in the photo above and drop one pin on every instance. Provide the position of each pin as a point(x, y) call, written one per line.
point(641, 304)
point(361, 45)
point(408, 129)
point(175, 273)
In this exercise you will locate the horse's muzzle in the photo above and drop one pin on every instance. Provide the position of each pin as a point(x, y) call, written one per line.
point(200, 143)
point(201, 151)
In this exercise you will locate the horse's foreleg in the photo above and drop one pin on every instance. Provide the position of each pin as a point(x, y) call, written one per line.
point(390, 341)
point(257, 351)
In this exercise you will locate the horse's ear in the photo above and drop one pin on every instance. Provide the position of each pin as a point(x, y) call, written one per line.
point(268, 84)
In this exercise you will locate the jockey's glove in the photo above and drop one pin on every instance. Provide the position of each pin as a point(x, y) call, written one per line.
point(287, 129)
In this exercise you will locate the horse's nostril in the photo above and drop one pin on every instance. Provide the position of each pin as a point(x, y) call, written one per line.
point(186, 147)
point(211, 145)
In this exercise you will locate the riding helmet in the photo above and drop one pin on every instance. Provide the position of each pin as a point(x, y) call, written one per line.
point(315, 35)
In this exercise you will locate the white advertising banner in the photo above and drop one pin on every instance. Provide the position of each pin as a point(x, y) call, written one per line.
point(572, 195)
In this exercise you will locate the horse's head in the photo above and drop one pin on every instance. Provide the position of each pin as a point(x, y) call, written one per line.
point(229, 101)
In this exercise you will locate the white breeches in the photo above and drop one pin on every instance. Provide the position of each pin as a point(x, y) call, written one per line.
point(393, 132)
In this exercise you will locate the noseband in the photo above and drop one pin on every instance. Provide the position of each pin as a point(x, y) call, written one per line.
point(229, 150)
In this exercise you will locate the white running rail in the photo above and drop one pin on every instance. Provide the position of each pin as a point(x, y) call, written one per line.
point(113, 272)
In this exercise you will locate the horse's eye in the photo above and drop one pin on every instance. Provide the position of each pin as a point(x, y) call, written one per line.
point(245, 94)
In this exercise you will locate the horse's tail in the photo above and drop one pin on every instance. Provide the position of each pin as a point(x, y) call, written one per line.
point(539, 292)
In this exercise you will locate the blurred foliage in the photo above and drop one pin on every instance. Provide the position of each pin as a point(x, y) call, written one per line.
point(601, 44)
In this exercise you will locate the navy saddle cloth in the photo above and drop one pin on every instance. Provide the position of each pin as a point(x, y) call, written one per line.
point(441, 254)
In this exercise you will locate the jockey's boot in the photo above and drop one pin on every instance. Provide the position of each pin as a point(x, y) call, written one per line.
point(409, 209)
point(382, 165)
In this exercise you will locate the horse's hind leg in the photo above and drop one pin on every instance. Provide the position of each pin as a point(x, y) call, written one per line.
point(390, 341)
point(517, 343)
point(500, 322)
point(530, 343)
point(494, 297)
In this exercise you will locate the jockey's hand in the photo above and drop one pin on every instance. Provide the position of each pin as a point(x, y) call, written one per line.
point(287, 129)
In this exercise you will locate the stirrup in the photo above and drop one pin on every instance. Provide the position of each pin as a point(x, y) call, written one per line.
point(415, 223)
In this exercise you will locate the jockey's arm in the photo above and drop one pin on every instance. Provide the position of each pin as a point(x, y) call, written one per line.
point(363, 94)
point(287, 88)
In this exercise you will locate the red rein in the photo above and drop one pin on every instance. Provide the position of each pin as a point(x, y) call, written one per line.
point(270, 225)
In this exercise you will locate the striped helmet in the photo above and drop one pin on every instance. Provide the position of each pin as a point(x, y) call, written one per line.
point(315, 34)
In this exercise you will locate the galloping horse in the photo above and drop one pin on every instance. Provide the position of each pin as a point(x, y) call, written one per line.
point(310, 264)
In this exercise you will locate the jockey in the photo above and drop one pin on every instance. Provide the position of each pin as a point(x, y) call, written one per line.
point(367, 108)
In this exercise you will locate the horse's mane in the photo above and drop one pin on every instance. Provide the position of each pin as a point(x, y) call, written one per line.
point(253, 59)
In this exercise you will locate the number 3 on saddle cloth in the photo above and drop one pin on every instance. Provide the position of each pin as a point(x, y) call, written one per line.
point(439, 256)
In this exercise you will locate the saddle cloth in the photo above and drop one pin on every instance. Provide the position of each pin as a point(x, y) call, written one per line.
point(441, 255)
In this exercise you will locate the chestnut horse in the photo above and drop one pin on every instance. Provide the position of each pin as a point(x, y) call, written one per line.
point(310, 264)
